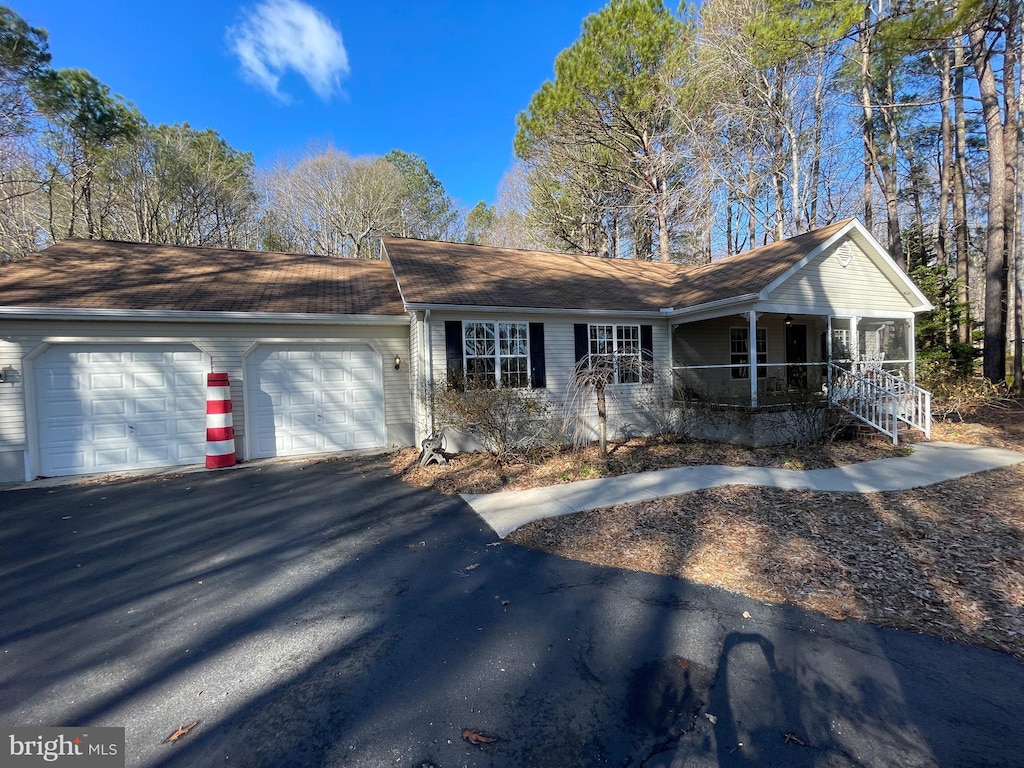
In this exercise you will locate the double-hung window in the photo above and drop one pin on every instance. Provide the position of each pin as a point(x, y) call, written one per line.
point(619, 347)
point(739, 352)
point(496, 353)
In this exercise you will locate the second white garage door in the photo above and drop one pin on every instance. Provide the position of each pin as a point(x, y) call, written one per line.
point(312, 399)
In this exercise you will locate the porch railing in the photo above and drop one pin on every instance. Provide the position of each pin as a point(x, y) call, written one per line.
point(880, 399)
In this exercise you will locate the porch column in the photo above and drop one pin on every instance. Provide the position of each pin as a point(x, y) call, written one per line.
point(667, 397)
point(912, 351)
point(854, 343)
point(828, 353)
point(752, 355)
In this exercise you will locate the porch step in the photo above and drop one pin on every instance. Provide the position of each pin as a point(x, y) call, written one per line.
point(905, 434)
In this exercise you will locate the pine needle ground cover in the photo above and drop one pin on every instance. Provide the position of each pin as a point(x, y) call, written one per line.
point(946, 560)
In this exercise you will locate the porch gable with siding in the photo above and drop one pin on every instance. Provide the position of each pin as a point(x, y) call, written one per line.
point(843, 277)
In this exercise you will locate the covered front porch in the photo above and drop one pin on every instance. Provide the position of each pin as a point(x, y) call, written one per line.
point(755, 359)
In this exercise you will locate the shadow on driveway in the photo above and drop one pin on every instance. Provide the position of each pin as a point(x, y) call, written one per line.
point(326, 614)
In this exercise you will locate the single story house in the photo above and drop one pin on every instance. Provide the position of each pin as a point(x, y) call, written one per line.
point(104, 346)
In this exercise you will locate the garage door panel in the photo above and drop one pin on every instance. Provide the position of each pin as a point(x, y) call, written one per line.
point(108, 408)
point(365, 374)
point(298, 400)
point(150, 380)
point(189, 453)
point(152, 407)
point(301, 399)
point(62, 411)
point(337, 377)
point(300, 420)
point(98, 382)
point(338, 421)
point(154, 429)
point(105, 459)
point(67, 437)
point(56, 382)
point(101, 357)
point(101, 432)
point(301, 443)
point(112, 408)
point(188, 405)
point(340, 398)
point(66, 462)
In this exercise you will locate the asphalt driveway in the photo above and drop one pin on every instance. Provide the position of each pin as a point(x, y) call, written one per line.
point(326, 614)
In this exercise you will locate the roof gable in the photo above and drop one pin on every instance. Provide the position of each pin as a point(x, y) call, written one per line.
point(107, 275)
point(882, 263)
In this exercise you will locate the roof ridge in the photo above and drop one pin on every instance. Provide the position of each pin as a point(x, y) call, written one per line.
point(221, 249)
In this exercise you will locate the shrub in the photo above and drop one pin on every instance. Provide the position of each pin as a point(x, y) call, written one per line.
point(505, 421)
point(955, 397)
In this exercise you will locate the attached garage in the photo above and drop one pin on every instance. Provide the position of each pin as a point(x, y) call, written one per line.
point(105, 348)
point(314, 398)
point(105, 408)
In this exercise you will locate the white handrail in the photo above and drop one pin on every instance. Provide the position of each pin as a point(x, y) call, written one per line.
point(881, 400)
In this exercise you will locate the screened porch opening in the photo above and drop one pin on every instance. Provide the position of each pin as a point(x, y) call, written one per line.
point(786, 354)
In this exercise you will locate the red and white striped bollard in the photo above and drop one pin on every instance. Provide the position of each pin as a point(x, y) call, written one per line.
point(220, 429)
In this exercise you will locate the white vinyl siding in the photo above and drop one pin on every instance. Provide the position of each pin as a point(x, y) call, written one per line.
point(11, 403)
point(625, 404)
point(825, 282)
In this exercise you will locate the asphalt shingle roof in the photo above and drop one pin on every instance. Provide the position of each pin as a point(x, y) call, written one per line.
point(749, 272)
point(434, 273)
point(474, 275)
point(97, 274)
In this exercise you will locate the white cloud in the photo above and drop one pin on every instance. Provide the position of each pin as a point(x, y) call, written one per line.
point(281, 35)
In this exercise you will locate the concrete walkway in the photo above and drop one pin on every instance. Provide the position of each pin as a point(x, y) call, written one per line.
point(930, 463)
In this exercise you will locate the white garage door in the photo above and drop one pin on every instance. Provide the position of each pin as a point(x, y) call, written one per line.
point(106, 408)
point(313, 399)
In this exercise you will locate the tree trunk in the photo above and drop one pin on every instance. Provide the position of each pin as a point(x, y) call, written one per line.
point(602, 422)
point(814, 179)
point(945, 162)
point(1012, 211)
point(868, 123)
point(664, 251)
point(728, 225)
point(994, 358)
point(890, 179)
point(963, 261)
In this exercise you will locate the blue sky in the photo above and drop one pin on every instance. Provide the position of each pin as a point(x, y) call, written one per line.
point(444, 80)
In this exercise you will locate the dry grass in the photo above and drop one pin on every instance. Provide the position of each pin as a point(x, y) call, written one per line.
point(946, 560)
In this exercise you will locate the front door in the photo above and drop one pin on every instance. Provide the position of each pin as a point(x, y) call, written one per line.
point(796, 352)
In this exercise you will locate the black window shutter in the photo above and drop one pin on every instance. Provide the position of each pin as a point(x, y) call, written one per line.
point(538, 374)
point(647, 352)
point(582, 341)
point(453, 352)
